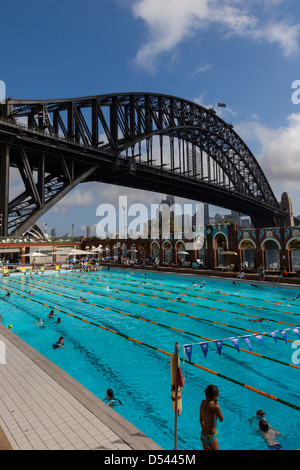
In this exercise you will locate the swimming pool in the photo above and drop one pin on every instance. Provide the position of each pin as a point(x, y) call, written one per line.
point(126, 343)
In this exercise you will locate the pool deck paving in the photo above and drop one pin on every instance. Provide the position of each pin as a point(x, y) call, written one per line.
point(44, 408)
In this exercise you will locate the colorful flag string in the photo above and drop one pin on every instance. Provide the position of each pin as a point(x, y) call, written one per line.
point(188, 348)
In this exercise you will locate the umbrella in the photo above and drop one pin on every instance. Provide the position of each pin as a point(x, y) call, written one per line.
point(98, 249)
point(79, 252)
point(36, 254)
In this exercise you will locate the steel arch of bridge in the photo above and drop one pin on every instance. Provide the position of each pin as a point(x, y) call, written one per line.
point(147, 141)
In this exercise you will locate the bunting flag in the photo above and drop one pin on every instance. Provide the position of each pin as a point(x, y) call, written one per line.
point(273, 334)
point(236, 343)
point(296, 331)
point(204, 347)
point(260, 338)
point(188, 350)
point(283, 334)
point(219, 345)
point(222, 105)
point(247, 341)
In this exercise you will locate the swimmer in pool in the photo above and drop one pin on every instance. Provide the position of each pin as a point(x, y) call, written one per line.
point(112, 401)
point(58, 320)
point(41, 325)
point(269, 435)
point(7, 293)
point(179, 299)
point(59, 343)
point(257, 320)
point(83, 298)
point(51, 314)
point(295, 298)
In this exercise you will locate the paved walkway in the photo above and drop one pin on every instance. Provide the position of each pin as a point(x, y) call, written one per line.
point(42, 407)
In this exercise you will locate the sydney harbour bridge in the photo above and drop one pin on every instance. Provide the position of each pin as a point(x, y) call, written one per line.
point(146, 141)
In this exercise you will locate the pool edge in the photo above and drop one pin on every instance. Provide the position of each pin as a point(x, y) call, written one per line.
point(126, 431)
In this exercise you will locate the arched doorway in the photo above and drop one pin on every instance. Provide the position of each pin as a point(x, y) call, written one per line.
point(155, 255)
point(133, 252)
point(271, 255)
point(167, 252)
point(124, 250)
point(181, 255)
point(247, 254)
point(294, 253)
point(220, 244)
point(201, 253)
point(106, 252)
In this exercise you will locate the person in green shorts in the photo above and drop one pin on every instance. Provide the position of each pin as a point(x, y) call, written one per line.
point(209, 412)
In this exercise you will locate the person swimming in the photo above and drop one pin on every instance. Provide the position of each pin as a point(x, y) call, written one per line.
point(269, 435)
point(112, 401)
point(41, 325)
point(59, 343)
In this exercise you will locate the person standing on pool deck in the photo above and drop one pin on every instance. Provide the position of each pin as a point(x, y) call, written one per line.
point(261, 273)
point(209, 412)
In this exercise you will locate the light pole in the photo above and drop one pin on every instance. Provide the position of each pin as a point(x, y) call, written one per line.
point(73, 225)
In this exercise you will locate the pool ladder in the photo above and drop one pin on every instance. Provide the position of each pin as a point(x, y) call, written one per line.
point(278, 280)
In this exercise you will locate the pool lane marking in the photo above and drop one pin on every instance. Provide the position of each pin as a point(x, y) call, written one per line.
point(193, 304)
point(171, 300)
point(159, 308)
point(209, 292)
point(170, 311)
point(248, 387)
point(198, 296)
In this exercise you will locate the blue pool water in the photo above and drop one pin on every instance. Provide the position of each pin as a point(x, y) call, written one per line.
point(140, 374)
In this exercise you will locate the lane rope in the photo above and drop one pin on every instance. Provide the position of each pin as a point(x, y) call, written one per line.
point(248, 387)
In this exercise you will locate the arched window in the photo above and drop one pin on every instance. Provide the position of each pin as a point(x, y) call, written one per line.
point(248, 254)
point(220, 246)
point(294, 249)
point(272, 255)
point(167, 252)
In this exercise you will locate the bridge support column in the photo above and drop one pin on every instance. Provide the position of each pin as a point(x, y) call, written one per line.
point(4, 189)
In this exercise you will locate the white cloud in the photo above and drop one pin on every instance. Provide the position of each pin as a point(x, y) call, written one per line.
point(169, 22)
point(202, 69)
point(279, 153)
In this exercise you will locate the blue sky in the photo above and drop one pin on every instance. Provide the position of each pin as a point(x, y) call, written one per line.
point(242, 53)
